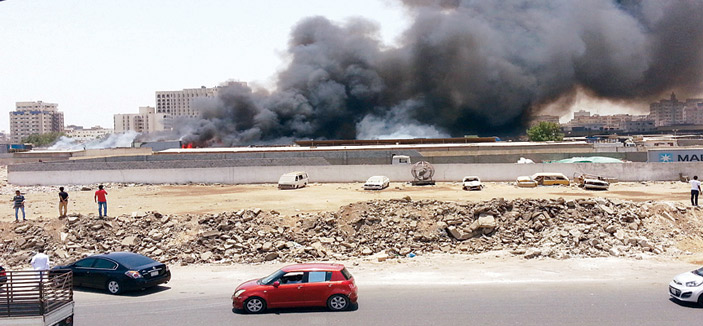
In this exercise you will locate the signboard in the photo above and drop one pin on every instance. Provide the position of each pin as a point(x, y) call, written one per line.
point(675, 155)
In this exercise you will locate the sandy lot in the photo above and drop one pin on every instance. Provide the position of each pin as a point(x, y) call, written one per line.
point(200, 199)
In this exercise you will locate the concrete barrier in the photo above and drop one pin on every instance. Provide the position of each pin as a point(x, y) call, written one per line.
point(346, 173)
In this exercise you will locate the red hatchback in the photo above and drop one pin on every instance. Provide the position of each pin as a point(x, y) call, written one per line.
point(301, 285)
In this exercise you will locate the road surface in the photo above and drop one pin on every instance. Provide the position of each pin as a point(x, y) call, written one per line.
point(543, 293)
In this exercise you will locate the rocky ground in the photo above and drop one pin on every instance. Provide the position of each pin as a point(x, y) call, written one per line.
point(379, 229)
point(195, 224)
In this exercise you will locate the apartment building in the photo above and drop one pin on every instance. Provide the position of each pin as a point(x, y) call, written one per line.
point(584, 121)
point(146, 121)
point(34, 118)
point(183, 103)
point(81, 134)
point(674, 112)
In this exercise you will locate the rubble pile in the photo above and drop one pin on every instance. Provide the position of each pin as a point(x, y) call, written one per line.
point(382, 229)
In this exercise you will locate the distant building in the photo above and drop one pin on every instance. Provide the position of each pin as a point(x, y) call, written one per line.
point(544, 118)
point(627, 123)
point(581, 113)
point(673, 112)
point(82, 135)
point(34, 118)
point(177, 104)
point(146, 121)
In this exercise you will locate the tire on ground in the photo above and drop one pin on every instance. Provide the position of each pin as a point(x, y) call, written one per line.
point(114, 287)
point(338, 302)
point(254, 305)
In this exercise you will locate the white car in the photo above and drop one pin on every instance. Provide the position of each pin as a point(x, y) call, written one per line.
point(472, 183)
point(595, 184)
point(688, 287)
point(377, 182)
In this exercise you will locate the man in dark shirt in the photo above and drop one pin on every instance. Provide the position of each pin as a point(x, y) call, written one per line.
point(63, 202)
point(19, 205)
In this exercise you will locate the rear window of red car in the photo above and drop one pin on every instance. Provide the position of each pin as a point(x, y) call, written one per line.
point(346, 274)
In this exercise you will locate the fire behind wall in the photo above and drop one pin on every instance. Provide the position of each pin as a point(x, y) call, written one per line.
point(462, 67)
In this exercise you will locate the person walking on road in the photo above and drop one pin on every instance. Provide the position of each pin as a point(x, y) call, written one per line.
point(101, 199)
point(63, 202)
point(19, 205)
point(695, 190)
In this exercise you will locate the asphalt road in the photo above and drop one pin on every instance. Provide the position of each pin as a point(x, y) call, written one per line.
point(548, 303)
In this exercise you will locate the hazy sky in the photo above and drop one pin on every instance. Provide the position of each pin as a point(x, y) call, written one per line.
point(96, 58)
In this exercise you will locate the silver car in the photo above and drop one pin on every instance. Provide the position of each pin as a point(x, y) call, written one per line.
point(688, 287)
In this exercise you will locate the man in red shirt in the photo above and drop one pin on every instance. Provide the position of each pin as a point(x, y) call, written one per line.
point(101, 199)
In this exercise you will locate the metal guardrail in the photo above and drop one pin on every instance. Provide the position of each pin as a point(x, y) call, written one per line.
point(35, 293)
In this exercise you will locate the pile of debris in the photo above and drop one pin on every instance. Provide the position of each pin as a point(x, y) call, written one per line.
point(391, 228)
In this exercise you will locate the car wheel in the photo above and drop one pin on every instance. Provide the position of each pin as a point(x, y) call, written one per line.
point(700, 300)
point(114, 287)
point(254, 305)
point(338, 302)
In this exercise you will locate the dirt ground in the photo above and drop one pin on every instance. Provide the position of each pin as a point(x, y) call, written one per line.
point(42, 204)
point(200, 199)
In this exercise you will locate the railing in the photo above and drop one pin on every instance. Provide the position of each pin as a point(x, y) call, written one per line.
point(35, 293)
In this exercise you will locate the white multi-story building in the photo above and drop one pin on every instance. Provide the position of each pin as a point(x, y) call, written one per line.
point(146, 121)
point(34, 118)
point(82, 135)
point(181, 103)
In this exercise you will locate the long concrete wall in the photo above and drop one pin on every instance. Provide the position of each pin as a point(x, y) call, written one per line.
point(348, 173)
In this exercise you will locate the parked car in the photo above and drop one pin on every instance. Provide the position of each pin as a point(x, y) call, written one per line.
point(591, 182)
point(688, 287)
point(301, 285)
point(3, 276)
point(377, 182)
point(472, 183)
point(118, 272)
point(550, 179)
point(293, 180)
point(525, 182)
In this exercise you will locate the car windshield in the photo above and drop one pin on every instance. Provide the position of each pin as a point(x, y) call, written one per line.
point(698, 272)
point(268, 280)
point(470, 179)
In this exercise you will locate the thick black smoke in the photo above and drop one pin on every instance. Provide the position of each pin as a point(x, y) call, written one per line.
point(463, 67)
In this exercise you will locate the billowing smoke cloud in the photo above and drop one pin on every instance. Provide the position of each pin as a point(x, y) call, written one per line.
point(110, 141)
point(463, 67)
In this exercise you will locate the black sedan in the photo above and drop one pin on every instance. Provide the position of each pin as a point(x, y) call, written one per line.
point(118, 272)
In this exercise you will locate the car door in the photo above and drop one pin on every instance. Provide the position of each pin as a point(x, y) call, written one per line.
point(317, 287)
point(81, 271)
point(289, 293)
point(102, 270)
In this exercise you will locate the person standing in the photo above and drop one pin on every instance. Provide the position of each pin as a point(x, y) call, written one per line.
point(695, 190)
point(40, 261)
point(19, 205)
point(101, 199)
point(63, 202)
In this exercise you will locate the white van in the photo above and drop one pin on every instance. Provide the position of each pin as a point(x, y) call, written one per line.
point(400, 159)
point(293, 180)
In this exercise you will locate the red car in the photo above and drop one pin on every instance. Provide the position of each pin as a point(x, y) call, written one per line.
point(301, 285)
